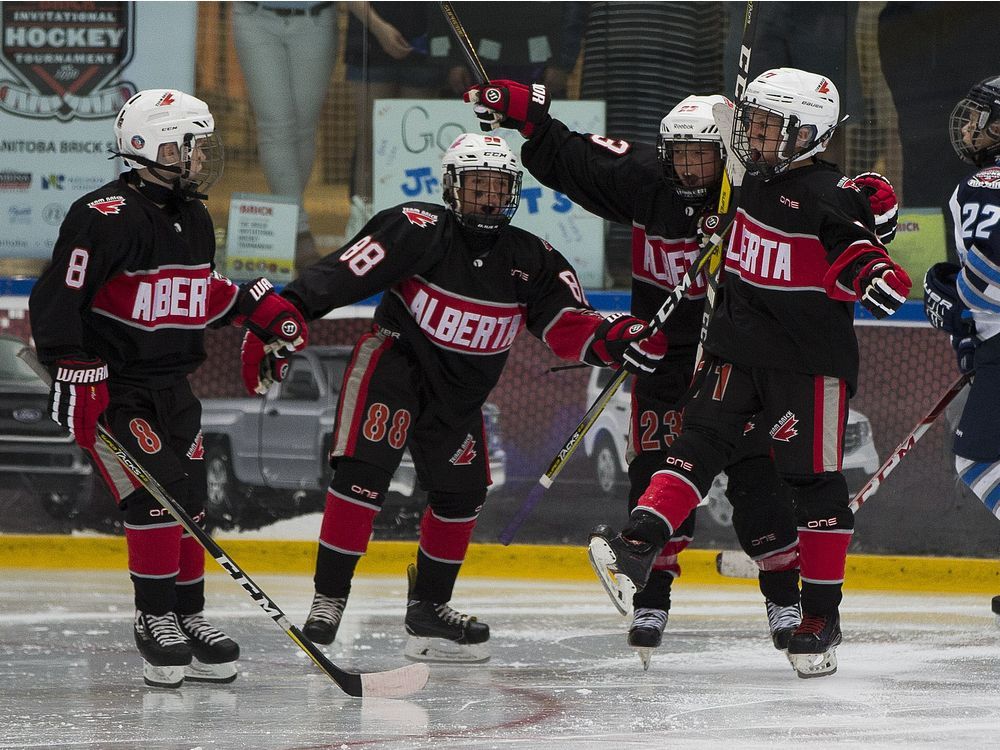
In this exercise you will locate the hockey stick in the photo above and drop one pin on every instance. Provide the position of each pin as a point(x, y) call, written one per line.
point(465, 43)
point(736, 564)
point(709, 254)
point(394, 683)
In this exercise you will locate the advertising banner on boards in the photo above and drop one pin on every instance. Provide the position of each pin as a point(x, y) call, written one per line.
point(66, 69)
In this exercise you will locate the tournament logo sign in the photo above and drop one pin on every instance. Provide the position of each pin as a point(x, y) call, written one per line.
point(65, 59)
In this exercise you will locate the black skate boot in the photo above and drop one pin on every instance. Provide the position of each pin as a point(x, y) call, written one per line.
point(996, 608)
point(440, 634)
point(622, 565)
point(647, 632)
point(324, 618)
point(782, 622)
point(164, 648)
point(215, 653)
point(812, 649)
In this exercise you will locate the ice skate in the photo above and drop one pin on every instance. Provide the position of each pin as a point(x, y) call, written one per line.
point(623, 566)
point(647, 632)
point(812, 649)
point(324, 618)
point(215, 653)
point(996, 609)
point(164, 648)
point(440, 634)
point(782, 622)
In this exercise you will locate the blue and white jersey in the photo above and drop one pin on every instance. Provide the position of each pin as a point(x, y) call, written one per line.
point(975, 208)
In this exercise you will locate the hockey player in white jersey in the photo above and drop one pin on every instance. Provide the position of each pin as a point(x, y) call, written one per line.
point(964, 300)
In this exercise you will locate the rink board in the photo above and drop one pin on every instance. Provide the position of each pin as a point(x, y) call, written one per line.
point(549, 562)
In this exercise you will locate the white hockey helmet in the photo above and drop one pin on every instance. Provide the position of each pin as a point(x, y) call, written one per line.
point(155, 117)
point(484, 207)
point(809, 107)
point(691, 121)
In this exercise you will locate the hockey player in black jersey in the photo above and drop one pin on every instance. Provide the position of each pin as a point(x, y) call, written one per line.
point(781, 350)
point(460, 284)
point(662, 193)
point(964, 300)
point(119, 317)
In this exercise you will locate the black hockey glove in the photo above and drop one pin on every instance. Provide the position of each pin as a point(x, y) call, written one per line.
point(882, 198)
point(509, 104)
point(942, 305)
point(881, 284)
point(965, 352)
point(271, 317)
point(78, 396)
point(624, 341)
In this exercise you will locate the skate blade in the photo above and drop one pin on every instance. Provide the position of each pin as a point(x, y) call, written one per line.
point(814, 665)
point(620, 588)
point(443, 651)
point(645, 654)
point(163, 677)
point(196, 671)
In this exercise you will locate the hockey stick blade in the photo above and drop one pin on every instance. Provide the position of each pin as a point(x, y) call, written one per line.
point(736, 564)
point(458, 31)
point(394, 683)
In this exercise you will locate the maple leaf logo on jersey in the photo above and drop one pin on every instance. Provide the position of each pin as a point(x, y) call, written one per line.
point(108, 206)
point(464, 455)
point(197, 450)
point(419, 218)
point(785, 429)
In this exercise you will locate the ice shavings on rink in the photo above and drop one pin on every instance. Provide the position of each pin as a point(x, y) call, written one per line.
point(914, 671)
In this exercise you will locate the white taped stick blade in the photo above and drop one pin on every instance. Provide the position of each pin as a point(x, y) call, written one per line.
point(396, 683)
point(723, 115)
point(735, 564)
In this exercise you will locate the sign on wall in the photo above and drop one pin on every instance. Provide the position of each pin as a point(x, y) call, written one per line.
point(410, 137)
point(261, 237)
point(65, 71)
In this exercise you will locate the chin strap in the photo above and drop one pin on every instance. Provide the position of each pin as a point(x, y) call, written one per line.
point(184, 192)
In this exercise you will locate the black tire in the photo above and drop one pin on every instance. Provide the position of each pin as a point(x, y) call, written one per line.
point(224, 491)
point(605, 467)
point(69, 500)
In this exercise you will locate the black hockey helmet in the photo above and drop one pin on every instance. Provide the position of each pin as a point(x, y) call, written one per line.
point(975, 123)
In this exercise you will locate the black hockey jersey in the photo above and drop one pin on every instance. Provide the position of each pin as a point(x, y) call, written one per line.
point(782, 306)
point(454, 305)
point(975, 209)
point(133, 284)
point(622, 182)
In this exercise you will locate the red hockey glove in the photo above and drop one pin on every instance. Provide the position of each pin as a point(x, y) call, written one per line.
point(881, 285)
point(273, 318)
point(882, 198)
point(622, 340)
point(261, 365)
point(78, 397)
point(509, 104)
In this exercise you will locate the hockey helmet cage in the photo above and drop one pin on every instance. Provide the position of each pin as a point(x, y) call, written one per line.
point(808, 106)
point(481, 205)
point(155, 117)
point(691, 121)
point(975, 123)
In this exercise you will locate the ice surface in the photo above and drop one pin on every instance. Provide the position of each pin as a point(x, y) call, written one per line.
point(914, 671)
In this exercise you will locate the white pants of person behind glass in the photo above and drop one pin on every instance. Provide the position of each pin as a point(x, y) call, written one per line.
point(286, 61)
